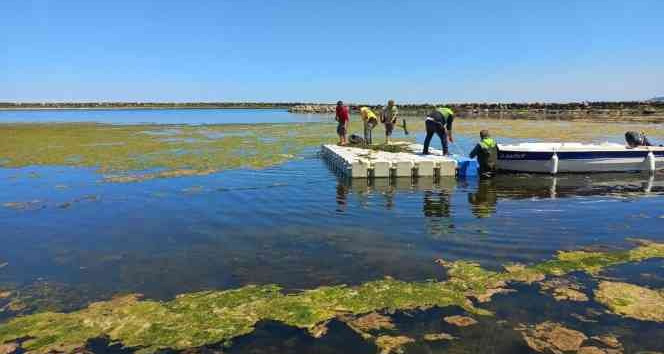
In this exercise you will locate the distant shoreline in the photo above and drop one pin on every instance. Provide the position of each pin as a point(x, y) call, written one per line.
point(127, 108)
point(636, 111)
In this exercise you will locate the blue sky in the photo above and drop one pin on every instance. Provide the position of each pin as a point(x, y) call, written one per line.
point(362, 51)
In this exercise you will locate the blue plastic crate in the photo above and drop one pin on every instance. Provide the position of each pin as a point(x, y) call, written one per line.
point(467, 167)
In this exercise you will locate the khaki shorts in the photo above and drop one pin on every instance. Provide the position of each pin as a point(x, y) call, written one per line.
point(389, 128)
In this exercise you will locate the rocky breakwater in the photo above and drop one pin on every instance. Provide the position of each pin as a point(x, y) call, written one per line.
point(312, 108)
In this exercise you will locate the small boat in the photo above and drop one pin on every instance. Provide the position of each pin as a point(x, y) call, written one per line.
point(578, 158)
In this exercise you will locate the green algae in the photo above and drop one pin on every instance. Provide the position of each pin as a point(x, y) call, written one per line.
point(631, 300)
point(197, 319)
point(474, 281)
point(136, 150)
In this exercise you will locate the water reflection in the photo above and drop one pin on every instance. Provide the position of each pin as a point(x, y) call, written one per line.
point(483, 201)
point(436, 192)
point(483, 195)
point(342, 197)
point(437, 204)
point(525, 186)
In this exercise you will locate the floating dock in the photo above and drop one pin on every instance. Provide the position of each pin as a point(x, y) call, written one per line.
point(366, 163)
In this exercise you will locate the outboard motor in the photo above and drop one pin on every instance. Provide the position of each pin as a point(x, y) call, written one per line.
point(635, 139)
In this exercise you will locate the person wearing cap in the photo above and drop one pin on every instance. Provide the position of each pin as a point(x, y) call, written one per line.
point(343, 120)
point(486, 152)
point(389, 118)
point(370, 121)
point(439, 122)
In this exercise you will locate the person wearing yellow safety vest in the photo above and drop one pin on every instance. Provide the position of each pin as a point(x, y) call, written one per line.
point(486, 152)
point(439, 122)
point(370, 121)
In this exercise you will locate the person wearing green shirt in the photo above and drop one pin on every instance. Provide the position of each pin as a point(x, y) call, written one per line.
point(439, 122)
point(486, 152)
point(389, 118)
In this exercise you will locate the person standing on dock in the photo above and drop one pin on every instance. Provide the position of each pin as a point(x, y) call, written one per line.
point(343, 121)
point(370, 121)
point(389, 118)
point(486, 152)
point(439, 122)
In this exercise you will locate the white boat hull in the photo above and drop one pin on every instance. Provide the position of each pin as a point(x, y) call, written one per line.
point(578, 158)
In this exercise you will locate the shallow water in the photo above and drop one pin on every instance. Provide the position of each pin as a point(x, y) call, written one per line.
point(74, 239)
point(157, 116)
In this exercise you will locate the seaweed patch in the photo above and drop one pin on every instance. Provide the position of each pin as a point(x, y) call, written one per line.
point(392, 344)
point(122, 152)
point(631, 300)
point(198, 319)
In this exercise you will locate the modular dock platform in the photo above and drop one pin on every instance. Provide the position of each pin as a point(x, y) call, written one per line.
point(355, 162)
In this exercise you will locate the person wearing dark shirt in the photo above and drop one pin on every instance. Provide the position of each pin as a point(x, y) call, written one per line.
point(343, 118)
point(635, 139)
point(439, 122)
point(486, 152)
point(389, 118)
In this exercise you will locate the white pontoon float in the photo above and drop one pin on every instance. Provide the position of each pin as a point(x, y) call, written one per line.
point(577, 157)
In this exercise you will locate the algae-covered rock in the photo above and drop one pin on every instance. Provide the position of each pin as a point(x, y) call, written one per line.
point(608, 340)
point(15, 305)
point(8, 348)
point(550, 337)
point(460, 321)
point(433, 337)
point(319, 330)
point(563, 289)
point(595, 350)
point(631, 300)
point(372, 321)
point(392, 344)
point(609, 344)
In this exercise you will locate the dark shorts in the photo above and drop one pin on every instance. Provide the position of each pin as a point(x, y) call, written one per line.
point(389, 128)
point(341, 129)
